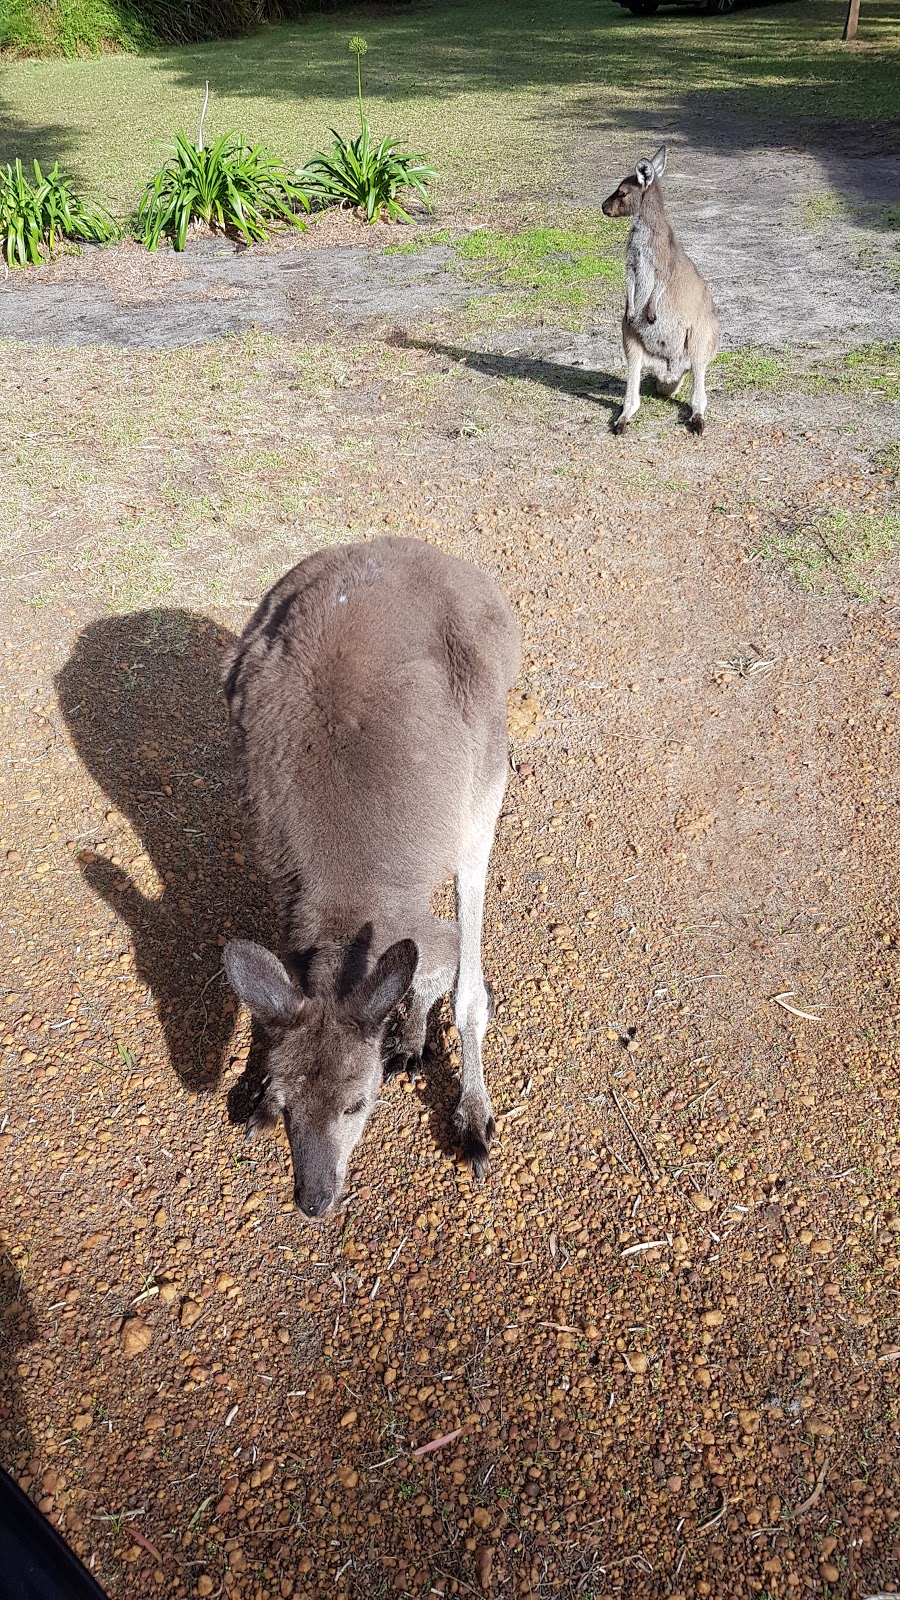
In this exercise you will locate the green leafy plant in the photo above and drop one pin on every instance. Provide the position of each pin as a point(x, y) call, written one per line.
point(37, 212)
point(364, 174)
point(227, 184)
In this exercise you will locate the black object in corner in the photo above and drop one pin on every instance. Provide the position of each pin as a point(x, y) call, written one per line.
point(35, 1563)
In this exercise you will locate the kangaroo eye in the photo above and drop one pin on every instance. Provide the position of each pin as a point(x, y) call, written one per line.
point(355, 1109)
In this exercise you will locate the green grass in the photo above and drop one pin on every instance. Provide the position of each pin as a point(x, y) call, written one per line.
point(563, 274)
point(750, 368)
point(69, 27)
point(817, 209)
point(872, 368)
point(524, 101)
point(839, 551)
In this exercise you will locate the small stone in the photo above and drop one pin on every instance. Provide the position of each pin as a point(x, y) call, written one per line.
point(153, 1422)
point(159, 1217)
point(348, 1477)
point(481, 1517)
point(701, 1202)
point(190, 1313)
point(135, 1337)
point(83, 1421)
point(205, 1584)
point(224, 1281)
point(673, 1484)
point(820, 1247)
point(636, 1361)
point(828, 1573)
point(348, 1419)
point(484, 1560)
point(712, 1319)
point(168, 1292)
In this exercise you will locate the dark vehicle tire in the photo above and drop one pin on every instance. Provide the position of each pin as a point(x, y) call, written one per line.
point(720, 8)
point(643, 8)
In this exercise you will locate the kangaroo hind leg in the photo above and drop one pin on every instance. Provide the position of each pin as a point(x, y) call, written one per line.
point(474, 1116)
point(698, 396)
point(634, 355)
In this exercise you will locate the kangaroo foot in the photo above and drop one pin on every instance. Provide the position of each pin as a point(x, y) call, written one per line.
point(695, 423)
point(620, 424)
point(474, 1124)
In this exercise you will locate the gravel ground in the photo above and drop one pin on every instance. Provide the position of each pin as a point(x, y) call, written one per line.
point(656, 1352)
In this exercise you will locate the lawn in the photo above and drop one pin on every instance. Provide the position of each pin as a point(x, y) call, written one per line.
point(519, 109)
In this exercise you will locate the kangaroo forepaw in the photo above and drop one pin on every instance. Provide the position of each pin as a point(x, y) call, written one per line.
point(695, 423)
point(409, 1061)
point(475, 1129)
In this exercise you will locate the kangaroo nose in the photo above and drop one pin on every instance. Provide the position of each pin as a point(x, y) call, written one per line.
point(317, 1204)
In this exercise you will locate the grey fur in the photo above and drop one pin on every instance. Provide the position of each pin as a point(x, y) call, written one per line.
point(367, 700)
point(670, 324)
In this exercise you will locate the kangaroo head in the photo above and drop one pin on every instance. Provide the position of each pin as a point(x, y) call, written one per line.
point(323, 1061)
point(626, 201)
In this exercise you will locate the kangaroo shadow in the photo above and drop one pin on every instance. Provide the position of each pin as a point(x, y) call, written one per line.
point(17, 1329)
point(140, 696)
point(591, 383)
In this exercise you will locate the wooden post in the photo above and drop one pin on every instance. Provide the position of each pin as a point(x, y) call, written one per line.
point(852, 20)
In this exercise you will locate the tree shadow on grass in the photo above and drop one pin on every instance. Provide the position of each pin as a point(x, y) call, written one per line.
point(48, 141)
point(140, 696)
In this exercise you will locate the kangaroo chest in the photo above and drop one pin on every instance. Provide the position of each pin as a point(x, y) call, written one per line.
point(640, 269)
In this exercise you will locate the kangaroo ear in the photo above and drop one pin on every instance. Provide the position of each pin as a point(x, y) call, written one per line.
point(381, 992)
point(658, 162)
point(644, 173)
point(259, 979)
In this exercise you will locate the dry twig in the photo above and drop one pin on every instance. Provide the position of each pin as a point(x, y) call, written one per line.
point(782, 1000)
point(634, 1134)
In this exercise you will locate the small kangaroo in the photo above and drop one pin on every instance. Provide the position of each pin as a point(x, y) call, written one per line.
point(367, 703)
point(670, 321)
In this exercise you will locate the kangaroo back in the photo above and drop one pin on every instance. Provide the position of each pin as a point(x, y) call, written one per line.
point(368, 702)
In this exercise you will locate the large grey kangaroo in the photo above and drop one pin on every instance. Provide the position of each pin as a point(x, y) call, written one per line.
point(367, 700)
point(670, 321)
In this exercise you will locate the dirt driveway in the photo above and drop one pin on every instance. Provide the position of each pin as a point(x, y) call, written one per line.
point(657, 1352)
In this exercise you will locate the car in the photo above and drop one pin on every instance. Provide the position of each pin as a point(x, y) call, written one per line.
point(646, 8)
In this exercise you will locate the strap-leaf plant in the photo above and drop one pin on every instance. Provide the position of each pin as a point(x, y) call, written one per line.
point(227, 184)
point(366, 175)
point(37, 212)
